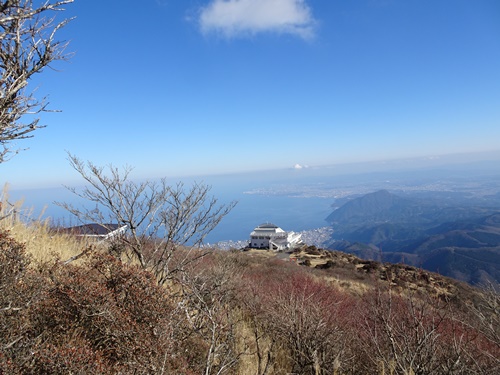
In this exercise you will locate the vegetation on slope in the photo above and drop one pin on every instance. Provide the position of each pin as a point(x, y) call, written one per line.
point(458, 239)
point(38, 237)
point(238, 313)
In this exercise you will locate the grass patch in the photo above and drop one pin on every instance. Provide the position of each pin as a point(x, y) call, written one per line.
point(41, 241)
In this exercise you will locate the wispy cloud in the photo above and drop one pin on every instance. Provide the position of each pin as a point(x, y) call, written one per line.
point(300, 166)
point(240, 18)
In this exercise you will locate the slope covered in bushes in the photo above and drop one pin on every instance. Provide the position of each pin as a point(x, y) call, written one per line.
point(238, 313)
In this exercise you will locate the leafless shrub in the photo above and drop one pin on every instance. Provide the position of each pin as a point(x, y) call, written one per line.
point(209, 289)
point(420, 334)
point(98, 317)
point(308, 321)
point(160, 218)
point(488, 312)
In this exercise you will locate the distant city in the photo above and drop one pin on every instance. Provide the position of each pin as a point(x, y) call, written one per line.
point(457, 185)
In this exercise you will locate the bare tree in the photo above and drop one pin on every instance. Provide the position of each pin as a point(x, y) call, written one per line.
point(160, 218)
point(486, 319)
point(487, 312)
point(421, 334)
point(402, 332)
point(27, 46)
point(308, 318)
point(264, 344)
point(209, 300)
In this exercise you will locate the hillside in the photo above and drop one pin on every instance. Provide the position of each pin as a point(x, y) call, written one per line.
point(361, 271)
point(458, 241)
point(377, 206)
point(234, 312)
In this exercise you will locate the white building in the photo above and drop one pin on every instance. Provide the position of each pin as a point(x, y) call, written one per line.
point(97, 231)
point(272, 237)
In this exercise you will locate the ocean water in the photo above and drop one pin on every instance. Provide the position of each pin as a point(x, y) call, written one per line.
point(295, 200)
point(288, 211)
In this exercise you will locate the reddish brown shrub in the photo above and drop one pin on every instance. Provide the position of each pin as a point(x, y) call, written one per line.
point(421, 334)
point(20, 289)
point(101, 317)
point(120, 310)
point(304, 317)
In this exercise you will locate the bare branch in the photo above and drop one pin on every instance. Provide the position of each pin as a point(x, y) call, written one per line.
point(27, 45)
point(160, 218)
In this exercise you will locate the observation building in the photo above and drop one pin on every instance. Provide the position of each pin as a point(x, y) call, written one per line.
point(272, 237)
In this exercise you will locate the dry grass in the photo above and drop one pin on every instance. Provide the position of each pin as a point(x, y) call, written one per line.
point(262, 253)
point(41, 242)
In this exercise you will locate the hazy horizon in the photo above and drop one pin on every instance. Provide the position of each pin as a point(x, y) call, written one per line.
point(425, 162)
point(301, 198)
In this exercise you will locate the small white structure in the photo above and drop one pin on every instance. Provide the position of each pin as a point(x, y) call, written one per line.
point(272, 237)
point(97, 231)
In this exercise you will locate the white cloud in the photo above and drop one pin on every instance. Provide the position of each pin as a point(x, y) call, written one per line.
point(233, 18)
point(299, 166)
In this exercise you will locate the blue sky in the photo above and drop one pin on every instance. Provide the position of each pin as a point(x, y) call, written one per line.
point(193, 87)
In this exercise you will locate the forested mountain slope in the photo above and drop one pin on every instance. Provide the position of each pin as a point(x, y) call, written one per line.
point(458, 241)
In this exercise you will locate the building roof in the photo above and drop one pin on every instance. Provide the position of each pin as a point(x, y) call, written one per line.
point(268, 229)
point(267, 226)
point(95, 229)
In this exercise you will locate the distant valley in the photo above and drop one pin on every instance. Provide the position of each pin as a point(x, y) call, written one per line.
point(456, 234)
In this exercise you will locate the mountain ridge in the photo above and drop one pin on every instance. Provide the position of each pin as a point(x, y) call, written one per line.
point(453, 240)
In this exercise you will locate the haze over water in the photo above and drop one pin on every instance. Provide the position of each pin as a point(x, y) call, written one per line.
point(300, 198)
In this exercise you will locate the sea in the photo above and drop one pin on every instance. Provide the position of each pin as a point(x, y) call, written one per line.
point(295, 199)
point(286, 200)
